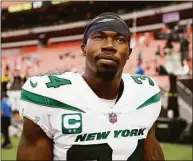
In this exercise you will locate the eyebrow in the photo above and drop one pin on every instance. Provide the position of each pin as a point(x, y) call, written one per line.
point(103, 33)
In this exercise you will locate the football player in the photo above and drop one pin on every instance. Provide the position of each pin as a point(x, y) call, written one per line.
point(101, 114)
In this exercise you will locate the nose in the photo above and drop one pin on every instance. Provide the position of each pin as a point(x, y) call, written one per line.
point(109, 46)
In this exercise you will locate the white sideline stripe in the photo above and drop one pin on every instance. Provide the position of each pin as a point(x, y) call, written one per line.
point(19, 43)
point(184, 88)
point(186, 106)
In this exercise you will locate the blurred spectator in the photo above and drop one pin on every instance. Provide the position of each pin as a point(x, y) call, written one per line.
point(168, 47)
point(148, 39)
point(165, 30)
point(139, 69)
point(43, 40)
point(184, 47)
point(31, 70)
point(5, 79)
point(34, 58)
point(144, 40)
point(133, 42)
point(190, 66)
point(16, 85)
point(139, 57)
point(158, 52)
point(160, 69)
point(6, 114)
point(61, 57)
point(185, 68)
point(88, 15)
point(189, 30)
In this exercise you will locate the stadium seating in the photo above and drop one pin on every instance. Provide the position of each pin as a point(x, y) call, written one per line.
point(67, 56)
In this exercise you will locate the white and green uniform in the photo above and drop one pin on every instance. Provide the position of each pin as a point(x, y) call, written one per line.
point(82, 126)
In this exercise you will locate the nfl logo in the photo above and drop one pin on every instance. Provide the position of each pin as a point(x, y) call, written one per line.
point(112, 118)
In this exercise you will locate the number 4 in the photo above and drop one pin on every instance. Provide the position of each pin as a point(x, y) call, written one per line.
point(142, 77)
point(57, 82)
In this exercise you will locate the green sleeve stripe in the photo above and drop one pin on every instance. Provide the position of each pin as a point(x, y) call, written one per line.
point(46, 101)
point(154, 99)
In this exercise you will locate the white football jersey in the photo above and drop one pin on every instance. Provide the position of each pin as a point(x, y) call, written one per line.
point(82, 126)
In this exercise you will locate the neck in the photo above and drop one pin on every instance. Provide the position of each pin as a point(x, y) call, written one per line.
point(107, 89)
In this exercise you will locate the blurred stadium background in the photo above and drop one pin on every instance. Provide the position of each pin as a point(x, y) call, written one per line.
point(45, 36)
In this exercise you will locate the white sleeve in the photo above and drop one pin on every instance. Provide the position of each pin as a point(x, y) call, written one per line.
point(150, 108)
point(32, 109)
point(155, 108)
point(152, 113)
point(149, 114)
point(38, 114)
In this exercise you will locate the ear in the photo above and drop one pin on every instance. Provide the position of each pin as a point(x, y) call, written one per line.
point(83, 49)
point(130, 50)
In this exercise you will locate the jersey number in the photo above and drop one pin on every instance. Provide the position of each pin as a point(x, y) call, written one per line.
point(138, 79)
point(101, 152)
point(57, 82)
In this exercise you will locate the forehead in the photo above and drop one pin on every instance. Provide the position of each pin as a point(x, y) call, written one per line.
point(109, 33)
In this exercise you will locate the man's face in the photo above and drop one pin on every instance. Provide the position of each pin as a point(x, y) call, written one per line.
point(106, 52)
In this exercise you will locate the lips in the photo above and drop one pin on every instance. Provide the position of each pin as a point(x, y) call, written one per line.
point(107, 57)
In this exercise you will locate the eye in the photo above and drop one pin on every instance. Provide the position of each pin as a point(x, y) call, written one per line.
point(98, 37)
point(121, 40)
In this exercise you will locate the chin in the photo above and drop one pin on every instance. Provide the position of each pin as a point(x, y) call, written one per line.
point(106, 74)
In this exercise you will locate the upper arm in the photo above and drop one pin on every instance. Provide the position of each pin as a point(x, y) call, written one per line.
point(152, 148)
point(36, 139)
point(34, 143)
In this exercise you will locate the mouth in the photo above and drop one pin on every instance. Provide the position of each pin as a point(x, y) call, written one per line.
point(107, 57)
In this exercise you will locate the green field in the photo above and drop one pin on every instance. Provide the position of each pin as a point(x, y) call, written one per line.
point(171, 151)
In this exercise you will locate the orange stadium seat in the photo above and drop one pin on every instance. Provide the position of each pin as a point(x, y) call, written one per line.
point(67, 56)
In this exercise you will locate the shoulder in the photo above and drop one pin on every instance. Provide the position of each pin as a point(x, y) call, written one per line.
point(143, 86)
point(138, 79)
point(38, 89)
point(38, 83)
point(37, 98)
point(144, 94)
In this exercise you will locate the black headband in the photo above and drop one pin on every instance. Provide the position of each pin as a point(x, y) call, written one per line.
point(106, 24)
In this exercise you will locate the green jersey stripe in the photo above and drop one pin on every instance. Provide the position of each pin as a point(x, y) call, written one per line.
point(155, 98)
point(46, 101)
